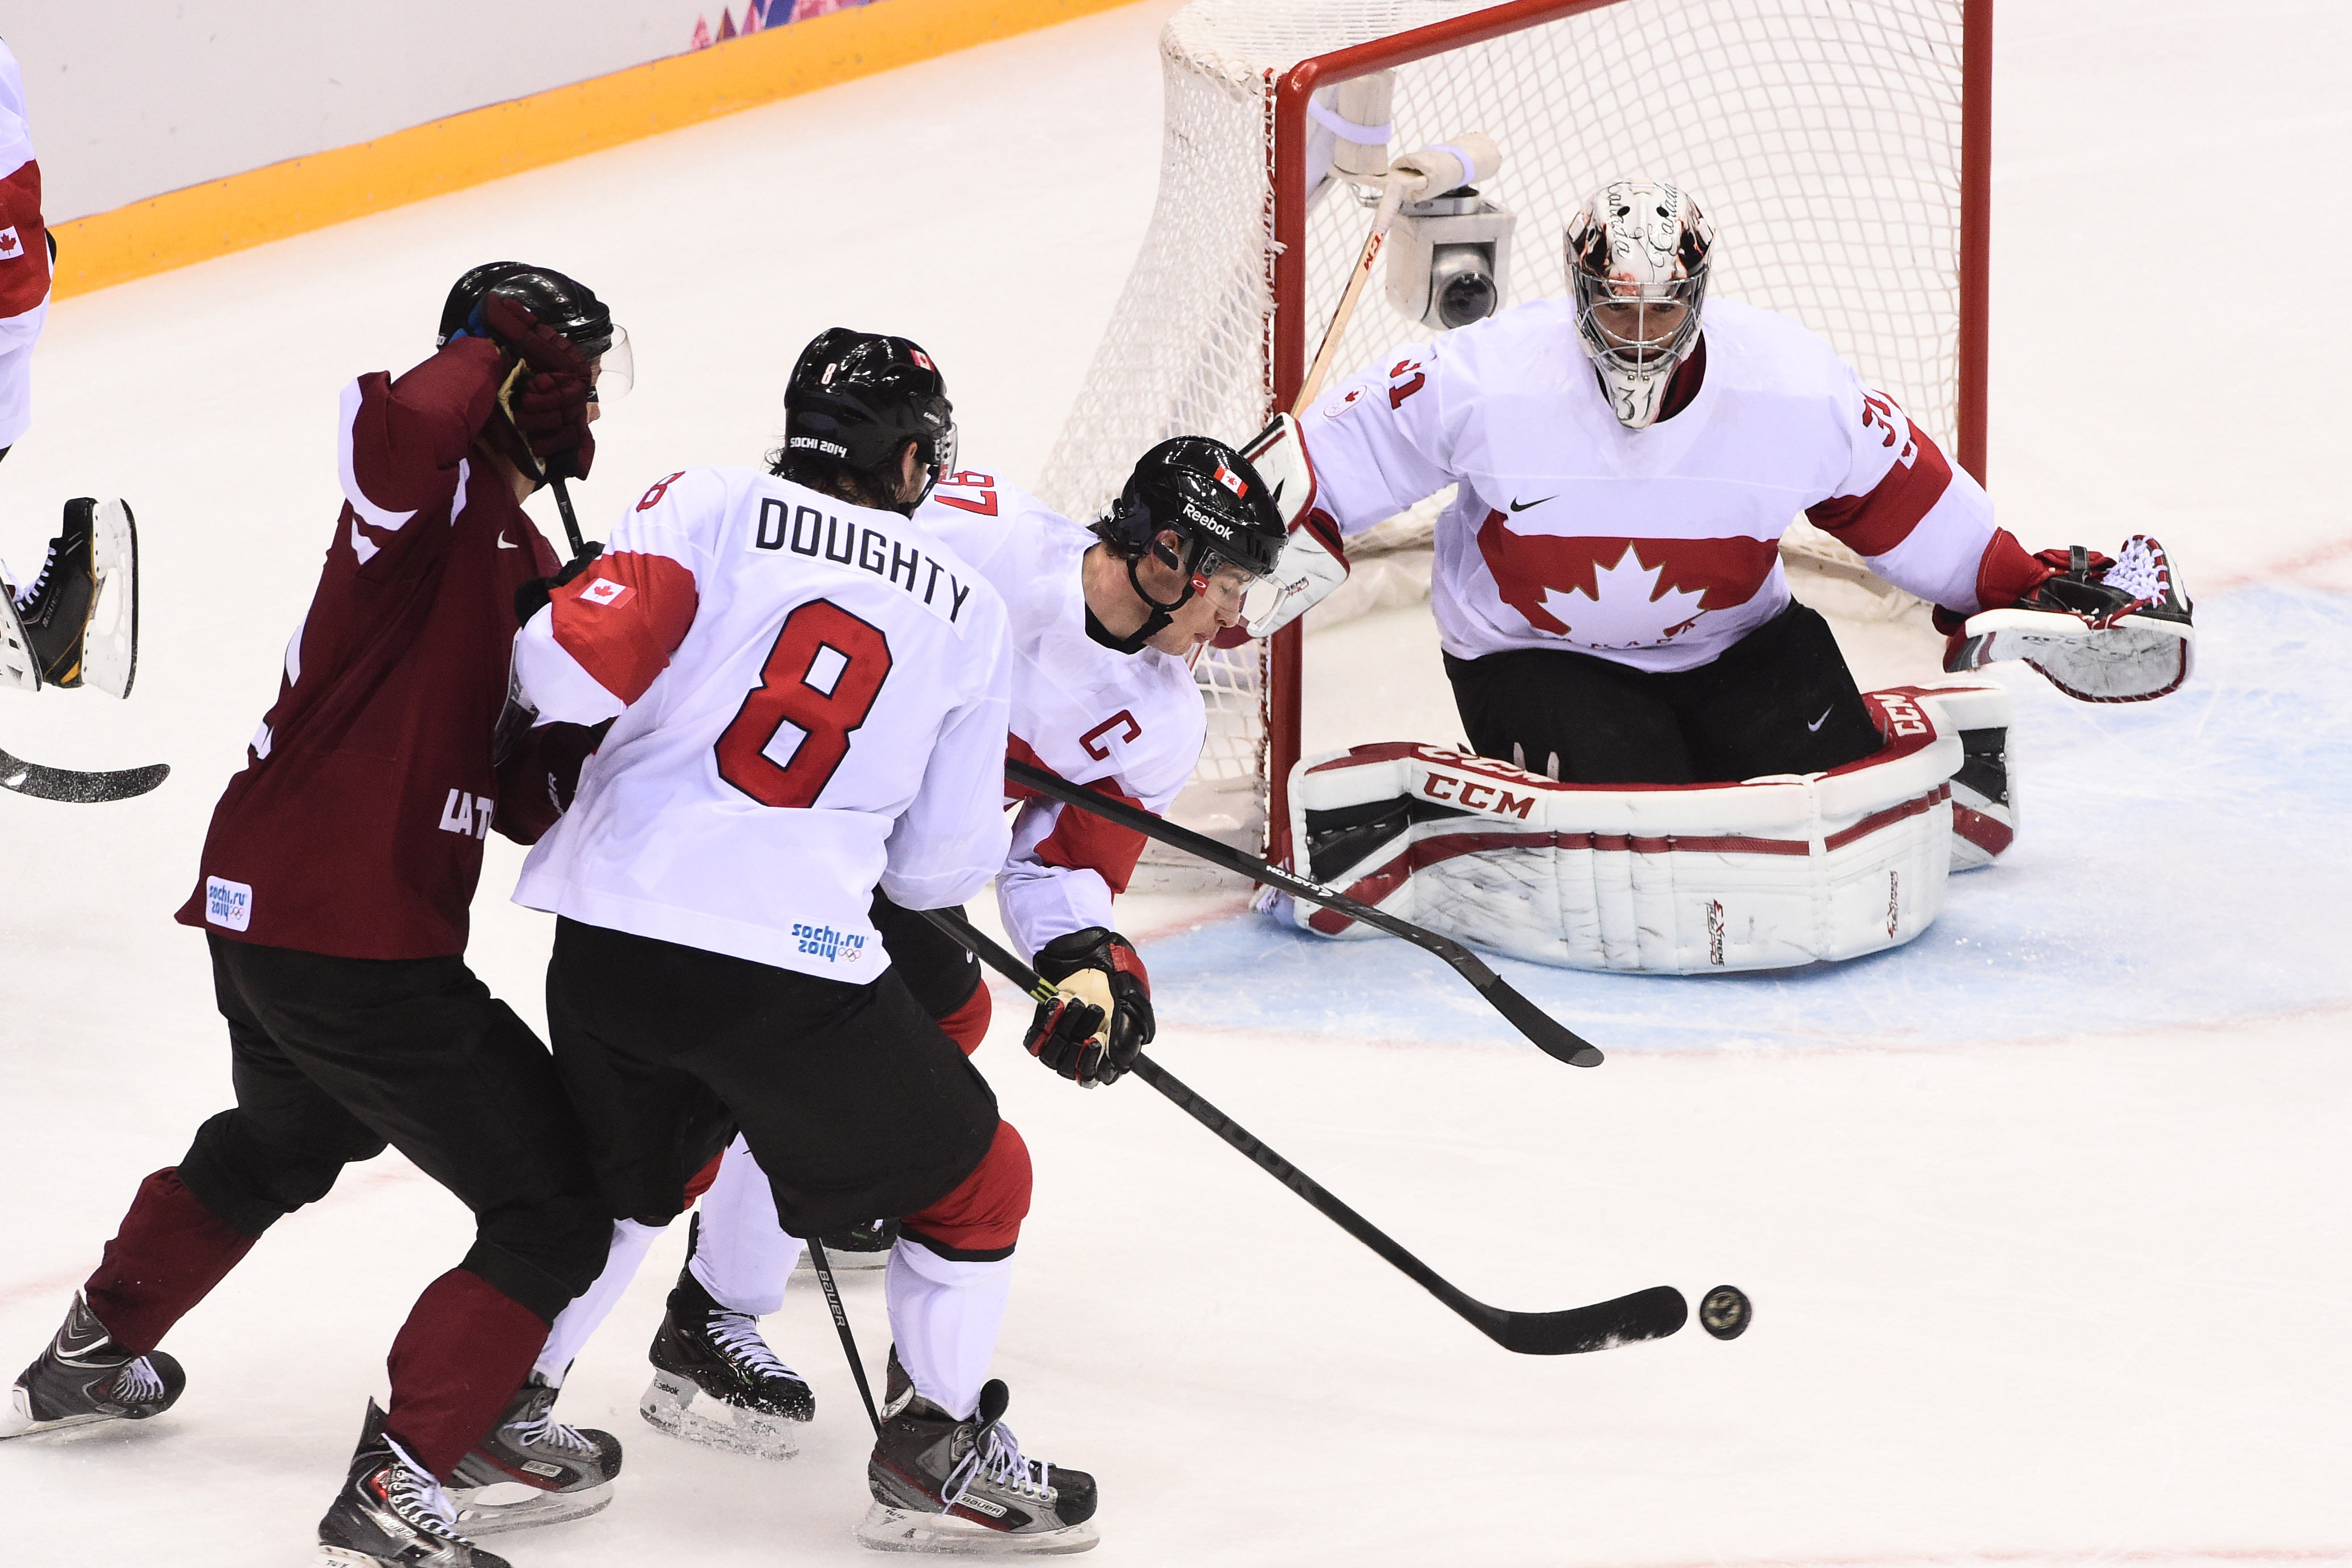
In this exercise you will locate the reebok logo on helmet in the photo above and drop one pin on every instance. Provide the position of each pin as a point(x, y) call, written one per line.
point(1200, 517)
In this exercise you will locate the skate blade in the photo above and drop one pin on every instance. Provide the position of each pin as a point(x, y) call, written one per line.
point(19, 671)
point(674, 1406)
point(65, 1429)
point(109, 645)
point(887, 1528)
point(477, 1516)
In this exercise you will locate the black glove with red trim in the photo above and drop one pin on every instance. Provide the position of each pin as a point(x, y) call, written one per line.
point(1091, 1034)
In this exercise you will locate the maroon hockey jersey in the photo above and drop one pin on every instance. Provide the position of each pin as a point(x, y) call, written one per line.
point(355, 827)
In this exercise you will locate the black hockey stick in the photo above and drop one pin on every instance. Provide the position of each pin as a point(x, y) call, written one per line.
point(1651, 1314)
point(1550, 1036)
point(563, 505)
point(841, 1321)
point(86, 789)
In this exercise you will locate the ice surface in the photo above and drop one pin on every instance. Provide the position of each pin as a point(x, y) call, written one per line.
point(2045, 1217)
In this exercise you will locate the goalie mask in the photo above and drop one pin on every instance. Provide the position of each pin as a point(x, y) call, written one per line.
point(1637, 257)
point(1208, 495)
point(855, 399)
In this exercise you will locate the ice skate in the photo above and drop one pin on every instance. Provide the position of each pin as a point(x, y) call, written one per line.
point(392, 1513)
point(860, 1247)
point(84, 1378)
point(534, 1469)
point(717, 1382)
point(944, 1485)
point(80, 617)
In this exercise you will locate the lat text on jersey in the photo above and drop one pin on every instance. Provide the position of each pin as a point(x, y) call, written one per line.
point(805, 530)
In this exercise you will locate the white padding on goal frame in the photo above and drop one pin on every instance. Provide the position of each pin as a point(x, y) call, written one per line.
point(1661, 880)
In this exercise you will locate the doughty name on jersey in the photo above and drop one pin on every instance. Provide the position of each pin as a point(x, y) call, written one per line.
point(812, 533)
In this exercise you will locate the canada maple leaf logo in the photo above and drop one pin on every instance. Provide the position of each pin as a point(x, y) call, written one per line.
point(1621, 592)
point(1628, 607)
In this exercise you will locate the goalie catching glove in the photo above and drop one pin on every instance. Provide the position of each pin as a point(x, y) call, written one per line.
point(1092, 1031)
point(2100, 629)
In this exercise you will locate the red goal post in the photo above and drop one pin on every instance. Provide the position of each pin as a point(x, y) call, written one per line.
point(1861, 101)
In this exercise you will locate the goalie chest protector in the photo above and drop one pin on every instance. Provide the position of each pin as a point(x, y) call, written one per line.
point(1768, 873)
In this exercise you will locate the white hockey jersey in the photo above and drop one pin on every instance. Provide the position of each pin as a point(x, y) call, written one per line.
point(23, 255)
point(1655, 548)
point(812, 701)
point(1081, 710)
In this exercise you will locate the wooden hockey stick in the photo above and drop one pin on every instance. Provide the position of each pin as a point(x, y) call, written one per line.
point(1383, 218)
point(841, 1324)
point(1550, 1036)
point(1650, 1314)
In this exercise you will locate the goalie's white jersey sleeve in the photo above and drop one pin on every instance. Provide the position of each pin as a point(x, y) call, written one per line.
point(812, 701)
point(1656, 547)
point(1128, 724)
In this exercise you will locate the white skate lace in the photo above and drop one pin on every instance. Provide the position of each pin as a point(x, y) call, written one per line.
point(545, 1431)
point(996, 1459)
point(418, 1498)
point(137, 1382)
point(738, 1335)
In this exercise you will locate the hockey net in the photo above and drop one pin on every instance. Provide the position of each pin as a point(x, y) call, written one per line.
point(1824, 137)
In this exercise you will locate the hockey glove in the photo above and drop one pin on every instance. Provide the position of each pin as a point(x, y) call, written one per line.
point(533, 595)
point(1092, 1032)
point(548, 395)
point(1311, 566)
point(2101, 629)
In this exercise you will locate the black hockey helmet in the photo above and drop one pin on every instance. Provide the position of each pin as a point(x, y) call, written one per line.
point(857, 398)
point(563, 303)
point(1210, 497)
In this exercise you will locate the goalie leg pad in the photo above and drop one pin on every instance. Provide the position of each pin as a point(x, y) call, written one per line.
point(1767, 874)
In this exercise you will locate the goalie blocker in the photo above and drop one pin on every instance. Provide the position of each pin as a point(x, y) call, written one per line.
point(1667, 879)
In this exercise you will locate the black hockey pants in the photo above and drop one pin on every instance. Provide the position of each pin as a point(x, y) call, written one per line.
point(853, 1101)
point(333, 1059)
point(1778, 700)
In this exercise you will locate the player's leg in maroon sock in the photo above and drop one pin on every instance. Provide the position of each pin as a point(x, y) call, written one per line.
point(168, 1254)
point(456, 1363)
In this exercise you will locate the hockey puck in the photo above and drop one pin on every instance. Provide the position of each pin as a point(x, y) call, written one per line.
point(1726, 1311)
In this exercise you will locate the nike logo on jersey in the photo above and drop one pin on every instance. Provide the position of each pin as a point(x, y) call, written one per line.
point(1523, 505)
point(1816, 725)
point(506, 544)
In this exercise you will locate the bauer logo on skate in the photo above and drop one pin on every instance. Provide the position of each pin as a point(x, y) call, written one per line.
point(833, 946)
point(227, 904)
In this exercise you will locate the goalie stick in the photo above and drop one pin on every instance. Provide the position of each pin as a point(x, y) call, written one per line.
point(85, 789)
point(1651, 1314)
point(1550, 1036)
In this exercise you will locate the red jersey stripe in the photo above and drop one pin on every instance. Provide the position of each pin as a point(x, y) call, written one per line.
point(1081, 841)
point(1876, 523)
point(623, 616)
point(24, 269)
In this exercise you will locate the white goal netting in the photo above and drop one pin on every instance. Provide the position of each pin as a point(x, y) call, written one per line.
point(1822, 137)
